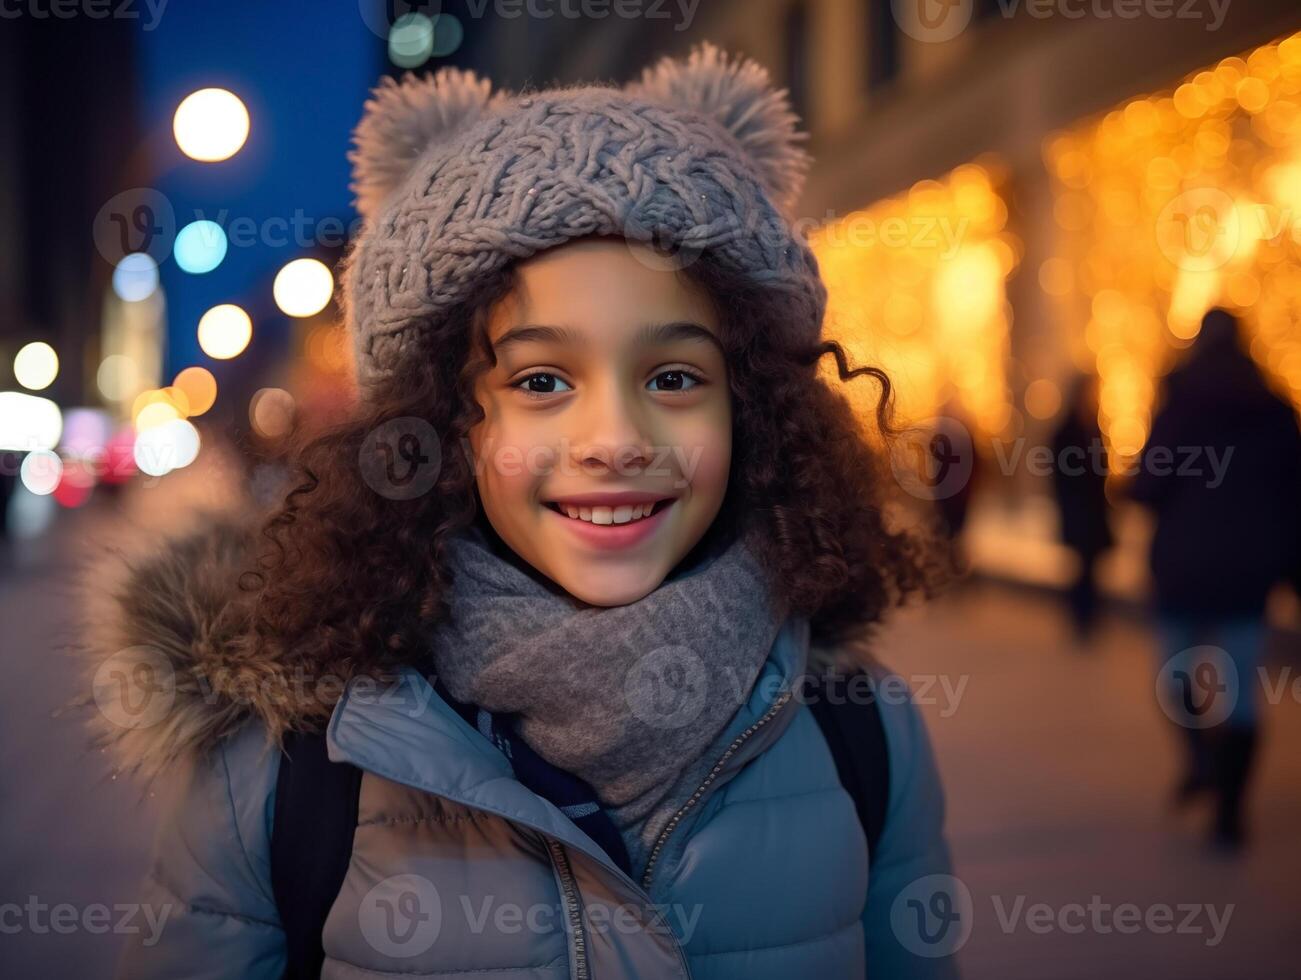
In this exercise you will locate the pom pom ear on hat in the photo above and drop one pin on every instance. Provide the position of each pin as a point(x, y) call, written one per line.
point(740, 96)
point(402, 119)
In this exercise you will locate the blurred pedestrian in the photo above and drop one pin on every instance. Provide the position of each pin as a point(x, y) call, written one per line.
point(953, 456)
point(1222, 474)
point(1079, 482)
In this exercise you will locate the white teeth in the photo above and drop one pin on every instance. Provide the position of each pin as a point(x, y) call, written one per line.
point(623, 514)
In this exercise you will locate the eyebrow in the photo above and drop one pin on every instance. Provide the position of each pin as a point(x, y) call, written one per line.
point(649, 334)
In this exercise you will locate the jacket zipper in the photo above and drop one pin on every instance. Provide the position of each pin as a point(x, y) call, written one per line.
point(713, 774)
point(572, 909)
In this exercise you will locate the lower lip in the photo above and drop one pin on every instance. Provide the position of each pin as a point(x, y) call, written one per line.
point(613, 536)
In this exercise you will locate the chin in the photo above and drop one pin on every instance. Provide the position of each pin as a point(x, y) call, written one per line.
point(610, 590)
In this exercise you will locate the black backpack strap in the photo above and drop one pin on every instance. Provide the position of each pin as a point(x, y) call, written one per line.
point(851, 724)
point(315, 817)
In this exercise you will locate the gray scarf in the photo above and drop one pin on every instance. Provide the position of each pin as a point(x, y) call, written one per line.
point(628, 697)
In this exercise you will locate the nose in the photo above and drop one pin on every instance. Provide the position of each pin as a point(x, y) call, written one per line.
point(612, 430)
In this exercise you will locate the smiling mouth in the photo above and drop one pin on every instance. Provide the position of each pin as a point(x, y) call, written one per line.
point(610, 516)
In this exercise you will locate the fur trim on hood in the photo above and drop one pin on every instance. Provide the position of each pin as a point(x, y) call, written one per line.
point(170, 671)
point(169, 666)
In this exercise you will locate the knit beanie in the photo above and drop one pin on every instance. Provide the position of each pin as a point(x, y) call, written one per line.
point(454, 181)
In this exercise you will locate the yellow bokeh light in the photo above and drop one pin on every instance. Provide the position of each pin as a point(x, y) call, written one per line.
point(1043, 398)
point(224, 331)
point(303, 287)
point(36, 365)
point(917, 284)
point(199, 388)
point(210, 125)
point(1174, 218)
point(155, 414)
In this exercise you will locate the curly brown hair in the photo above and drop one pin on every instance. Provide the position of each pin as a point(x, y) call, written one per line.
point(351, 580)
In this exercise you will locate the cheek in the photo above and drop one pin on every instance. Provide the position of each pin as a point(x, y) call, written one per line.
point(703, 450)
point(512, 456)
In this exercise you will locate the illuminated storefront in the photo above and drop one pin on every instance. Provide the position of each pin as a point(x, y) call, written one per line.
point(917, 285)
point(1173, 203)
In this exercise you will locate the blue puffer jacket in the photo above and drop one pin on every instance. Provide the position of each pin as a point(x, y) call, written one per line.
point(459, 871)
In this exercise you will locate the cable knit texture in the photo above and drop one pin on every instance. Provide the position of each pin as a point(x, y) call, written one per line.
point(454, 182)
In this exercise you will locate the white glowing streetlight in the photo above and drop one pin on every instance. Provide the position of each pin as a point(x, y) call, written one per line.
point(36, 365)
point(224, 331)
point(303, 287)
point(210, 125)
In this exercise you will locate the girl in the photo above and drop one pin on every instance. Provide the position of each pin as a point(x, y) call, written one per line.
point(551, 592)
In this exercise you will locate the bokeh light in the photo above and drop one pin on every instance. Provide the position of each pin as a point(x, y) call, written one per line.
point(175, 405)
point(303, 287)
point(85, 431)
point(199, 388)
point(154, 414)
point(117, 377)
point(210, 125)
point(135, 277)
point(448, 34)
point(200, 247)
point(411, 40)
point(916, 284)
point(40, 471)
point(76, 483)
point(36, 365)
point(271, 412)
point(224, 331)
point(163, 448)
point(28, 423)
point(1170, 205)
point(1043, 398)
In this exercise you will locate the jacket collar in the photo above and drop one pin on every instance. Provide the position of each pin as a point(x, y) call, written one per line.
point(406, 733)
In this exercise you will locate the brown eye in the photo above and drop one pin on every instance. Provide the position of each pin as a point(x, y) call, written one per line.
point(676, 380)
point(538, 384)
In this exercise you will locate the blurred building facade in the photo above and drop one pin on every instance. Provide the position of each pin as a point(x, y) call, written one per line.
point(1007, 196)
point(992, 185)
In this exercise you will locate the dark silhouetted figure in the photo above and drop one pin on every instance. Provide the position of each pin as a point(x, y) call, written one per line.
point(1222, 473)
point(1079, 480)
point(953, 461)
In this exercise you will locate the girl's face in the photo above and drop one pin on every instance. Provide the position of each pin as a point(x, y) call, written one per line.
point(609, 401)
